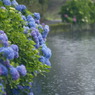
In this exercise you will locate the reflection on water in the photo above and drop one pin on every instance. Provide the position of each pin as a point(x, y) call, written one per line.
point(73, 65)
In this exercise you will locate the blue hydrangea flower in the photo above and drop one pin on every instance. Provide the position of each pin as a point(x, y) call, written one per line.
point(43, 24)
point(46, 28)
point(36, 31)
point(46, 51)
point(42, 59)
point(49, 53)
point(20, 87)
point(40, 27)
point(47, 62)
point(14, 3)
point(7, 2)
point(14, 47)
point(41, 41)
point(30, 83)
point(44, 46)
point(3, 37)
point(7, 63)
point(46, 31)
point(33, 33)
point(3, 70)
point(26, 29)
point(22, 70)
point(32, 24)
point(31, 93)
point(26, 87)
point(3, 7)
point(20, 7)
point(14, 73)
point(8, 52)
point(44, 35)
point(5, 43)
point(37, 46)
point(0, 71)
point(30, 18)
point(1, 49)
point(16, 54)
point(37, 16)
point(1, 32)
point(37, 21)
point(36, 39)
point(24, 18)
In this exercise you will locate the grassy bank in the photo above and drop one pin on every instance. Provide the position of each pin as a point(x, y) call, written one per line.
point(63, 27)
point(59, 27)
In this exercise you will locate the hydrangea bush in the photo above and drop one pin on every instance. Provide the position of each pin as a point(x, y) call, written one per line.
point(78, 11)
point(25, 54)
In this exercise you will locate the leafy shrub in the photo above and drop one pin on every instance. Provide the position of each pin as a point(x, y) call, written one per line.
point(78, 11)
point(23, 28)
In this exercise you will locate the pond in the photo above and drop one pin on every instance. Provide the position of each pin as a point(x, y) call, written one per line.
point(73, 65)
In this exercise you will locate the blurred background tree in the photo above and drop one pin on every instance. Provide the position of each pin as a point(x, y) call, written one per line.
point(78, 11)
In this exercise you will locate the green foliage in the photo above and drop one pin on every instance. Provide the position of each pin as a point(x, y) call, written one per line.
point(43, 1)
point(81, 10)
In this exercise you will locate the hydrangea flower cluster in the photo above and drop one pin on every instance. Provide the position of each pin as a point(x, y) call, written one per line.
point(30, 21)
point(7, 50)
point(7, 53)
point(46, 55)
point(16, 91)
point(37, 16)
point(7, 2)
point(20, 7)
point(14, 3)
